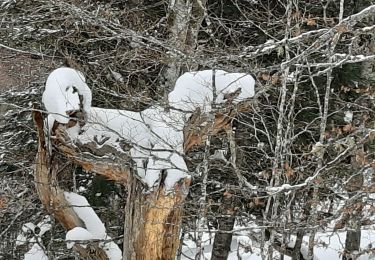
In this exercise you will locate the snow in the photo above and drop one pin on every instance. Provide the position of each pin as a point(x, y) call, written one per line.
point(28, 227)
point(348, 117)
point(115, 125)
point(44, 225)
point(117, 76)
point(219, 155)
point(148, 132)
point(239, 247)
point(61, 93)
point(112, 250)
point(84, 211)
point(73, 131)
point(21, 239)
point(36, 253)
point(329, 245)
point(95, 228)
point(77, 234)
point(155, 134)
point(194, 89)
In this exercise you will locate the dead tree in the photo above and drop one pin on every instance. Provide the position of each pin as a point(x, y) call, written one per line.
point(152, 222)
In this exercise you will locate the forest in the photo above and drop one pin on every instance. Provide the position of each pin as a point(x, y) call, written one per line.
point(187, 129)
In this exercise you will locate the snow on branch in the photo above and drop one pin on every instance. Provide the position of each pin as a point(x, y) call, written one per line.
point(154, 138)
point(37, 251)
point(61, 94)
point(310, 180)
point(194, 89)
point(95, 228)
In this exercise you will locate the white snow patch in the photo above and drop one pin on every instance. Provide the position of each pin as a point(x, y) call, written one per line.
point(73, 131)
point(44, 225)
point(348, 118)
point(84, 211)
point(241, 243)
point(95, 228)
point(194, 89)
point(61, 93)
point(112, 250)
point(36, 253)
point(28, 227)
point(21, 239)
point(329, 245)
point(147, 131)
point(117, 76)
point(77, 234)
point(219, 155)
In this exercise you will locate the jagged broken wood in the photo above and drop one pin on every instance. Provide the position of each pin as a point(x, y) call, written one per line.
point(52, 197)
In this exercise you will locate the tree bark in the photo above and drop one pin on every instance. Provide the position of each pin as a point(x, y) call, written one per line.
point(297, 246)
point(152, 221)
point(183, 20)
point(223, 238)
point(52, 197)
point(353, 234)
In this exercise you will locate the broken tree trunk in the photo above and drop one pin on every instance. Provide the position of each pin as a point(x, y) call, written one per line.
point(52, 197)
point(152, 221)
point(153, 217)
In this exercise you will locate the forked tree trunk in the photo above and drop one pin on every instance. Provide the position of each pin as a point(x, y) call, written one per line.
point(153, 218)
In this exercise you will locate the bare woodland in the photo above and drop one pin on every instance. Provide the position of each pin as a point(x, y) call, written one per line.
point(277, 170)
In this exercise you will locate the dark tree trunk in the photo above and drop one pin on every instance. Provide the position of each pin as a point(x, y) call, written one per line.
point(223, 238)
point(353, 234)
point(297, 247)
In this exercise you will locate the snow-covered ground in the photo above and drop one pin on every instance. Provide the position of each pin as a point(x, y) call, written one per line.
point(329, 246)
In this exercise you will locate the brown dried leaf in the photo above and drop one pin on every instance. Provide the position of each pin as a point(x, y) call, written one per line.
point(3, 202)
point(311, 22)
point(360, 158)
point(265, 76)
point(275, 79)
point(296, 15)
point(231, 211)
point(318, 180)
point(349, 128)
point(288, 170)
point(258, 201)
point(227, 194)
point(342, 29)
point(345, 88)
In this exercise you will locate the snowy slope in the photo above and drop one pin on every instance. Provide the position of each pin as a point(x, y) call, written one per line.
point(329, 246)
